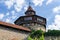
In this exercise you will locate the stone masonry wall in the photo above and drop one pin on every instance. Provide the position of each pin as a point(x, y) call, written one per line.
point(9, 34)
point(37, 27)
point(52, 37)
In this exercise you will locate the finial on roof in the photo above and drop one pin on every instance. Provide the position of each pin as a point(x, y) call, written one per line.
point(30, 10)
point(29, 3)
point(29, 7)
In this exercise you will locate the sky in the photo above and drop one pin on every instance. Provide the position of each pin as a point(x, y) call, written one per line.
point(10, 10)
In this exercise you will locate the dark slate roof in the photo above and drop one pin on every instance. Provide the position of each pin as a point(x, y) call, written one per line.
point(29, 8)
point(29, 16)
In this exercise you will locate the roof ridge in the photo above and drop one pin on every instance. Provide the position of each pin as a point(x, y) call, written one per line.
point(14, 26)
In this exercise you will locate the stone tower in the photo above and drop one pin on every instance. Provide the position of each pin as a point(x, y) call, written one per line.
point(31, 20)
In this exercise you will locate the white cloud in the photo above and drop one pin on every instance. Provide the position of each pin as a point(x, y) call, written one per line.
point(10, 16)
point(38, 2)
point(13, 17)
point(49, 1)
point(56, 24)
point(13, 12)
point(52, 27)
point(8, 20)
point(26, 6)
point(57, 20)
point(17, 8)
point(10, 13)
point(7, 14)
point(9, 3)
point(1, 16)
point(18, 4)
point(56, 9)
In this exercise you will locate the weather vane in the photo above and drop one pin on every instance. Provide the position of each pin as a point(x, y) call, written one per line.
point(29, 3)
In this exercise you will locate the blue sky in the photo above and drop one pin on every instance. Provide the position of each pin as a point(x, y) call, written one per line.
point(10, 10)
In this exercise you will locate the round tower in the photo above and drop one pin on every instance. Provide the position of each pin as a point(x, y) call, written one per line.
point(31, 20)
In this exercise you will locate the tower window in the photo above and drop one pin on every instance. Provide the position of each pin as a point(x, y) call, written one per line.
point(30, 13)
point(39, 19)
point(28, 18)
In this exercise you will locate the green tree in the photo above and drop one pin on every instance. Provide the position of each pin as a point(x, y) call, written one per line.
point(37, 35)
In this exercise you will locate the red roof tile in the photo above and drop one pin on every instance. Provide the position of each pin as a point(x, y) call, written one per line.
point(14, 26)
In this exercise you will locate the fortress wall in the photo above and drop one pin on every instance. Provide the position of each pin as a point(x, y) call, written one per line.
point(52, 37)
point(10, 34)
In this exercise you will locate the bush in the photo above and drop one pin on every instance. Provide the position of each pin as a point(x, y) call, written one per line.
point(39, 35)
point(52, 33)
point(36, 35)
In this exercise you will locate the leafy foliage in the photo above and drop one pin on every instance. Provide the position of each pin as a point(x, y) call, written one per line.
point(42, 37)
point(29, 38)
point(39, 34)
point(52, 33)
point(36, 35)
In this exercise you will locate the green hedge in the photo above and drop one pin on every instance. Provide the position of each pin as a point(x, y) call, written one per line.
point(52, 33)
point(39, 34)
